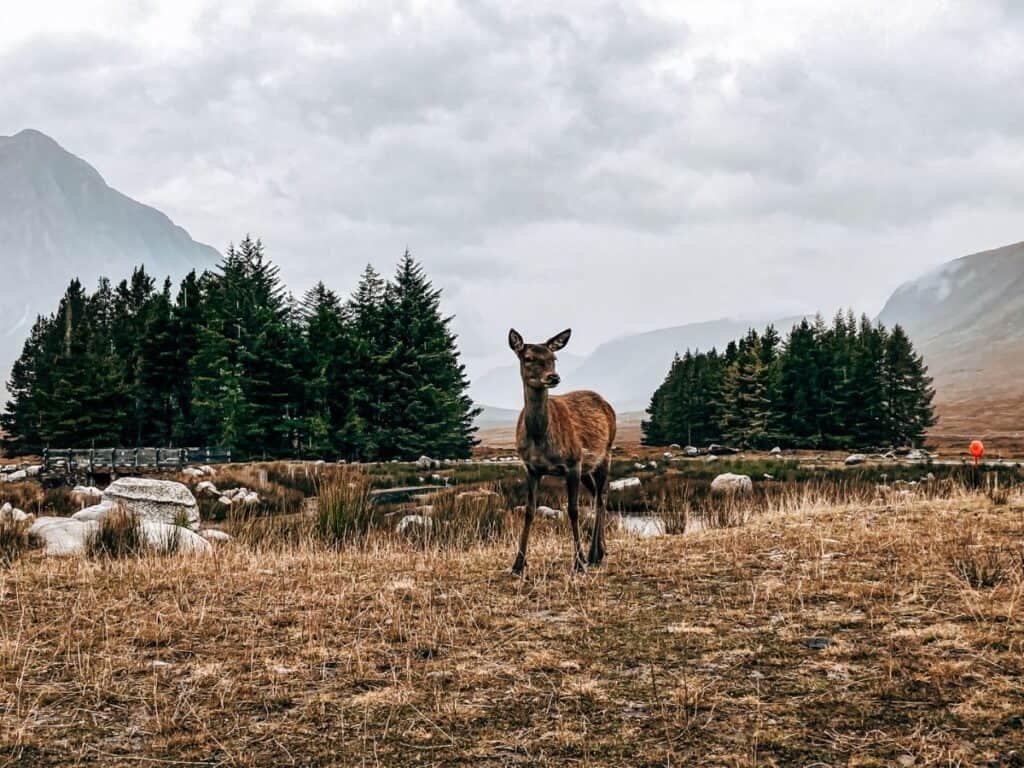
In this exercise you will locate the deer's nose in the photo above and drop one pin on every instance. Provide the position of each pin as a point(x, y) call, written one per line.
point(552, 379)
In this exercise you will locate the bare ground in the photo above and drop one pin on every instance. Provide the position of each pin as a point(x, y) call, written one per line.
point(684, 650)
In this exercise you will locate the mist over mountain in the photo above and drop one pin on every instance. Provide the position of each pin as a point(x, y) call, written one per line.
point(967, 318)
point(59, 220)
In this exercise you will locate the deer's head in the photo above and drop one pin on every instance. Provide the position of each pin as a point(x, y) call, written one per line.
point(537, 361)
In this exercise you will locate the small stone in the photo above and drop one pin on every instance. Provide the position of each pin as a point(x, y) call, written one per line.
point(818, 643)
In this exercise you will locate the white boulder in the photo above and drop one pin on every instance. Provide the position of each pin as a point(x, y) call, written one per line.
point(691, 450)
point(166, 537)
point(94, 513)
point(62, 535)
point(411, 523)
point(251, 498)
point(9, 513)
point(425, 462)
point(192, 472)
point(776, 451)
point(207, 487)
point(162, 501)
point(549, 513)
point(855, 458)
point(731, 483)
point(14, 477)
point(626, 482)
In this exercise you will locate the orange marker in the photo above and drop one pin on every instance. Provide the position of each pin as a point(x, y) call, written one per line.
point(977, 450)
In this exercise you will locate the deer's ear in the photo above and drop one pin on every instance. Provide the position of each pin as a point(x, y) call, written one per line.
point(555, 343)
point(515, 341)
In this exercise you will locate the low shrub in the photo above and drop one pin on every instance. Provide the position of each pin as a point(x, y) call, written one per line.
point(118, 535)
point(345, 513)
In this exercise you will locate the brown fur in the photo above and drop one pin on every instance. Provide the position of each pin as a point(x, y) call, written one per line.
point(569, 435)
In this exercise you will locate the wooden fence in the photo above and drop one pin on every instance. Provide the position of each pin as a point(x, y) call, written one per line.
point(91, 459)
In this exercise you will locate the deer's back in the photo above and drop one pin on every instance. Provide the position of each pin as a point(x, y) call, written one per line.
point(581, 427)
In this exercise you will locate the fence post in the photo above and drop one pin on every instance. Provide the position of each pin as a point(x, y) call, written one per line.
point(71, 461)
point(46, 459)
point(182, 458)
point(136, 458)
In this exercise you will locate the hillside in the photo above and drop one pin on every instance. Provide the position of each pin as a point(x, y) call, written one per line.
point(967, 319)
point(58, 220)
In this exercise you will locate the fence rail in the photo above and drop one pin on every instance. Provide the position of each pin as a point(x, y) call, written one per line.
point(90, 459)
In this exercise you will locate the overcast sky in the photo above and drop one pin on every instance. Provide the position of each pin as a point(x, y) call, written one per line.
point(613, 166)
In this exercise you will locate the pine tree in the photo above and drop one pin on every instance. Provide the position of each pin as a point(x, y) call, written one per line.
point(422, 382)
point(908, 389)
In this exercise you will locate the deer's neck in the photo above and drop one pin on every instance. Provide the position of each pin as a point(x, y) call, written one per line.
point(535, 416)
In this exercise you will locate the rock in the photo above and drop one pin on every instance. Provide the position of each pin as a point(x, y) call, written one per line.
point(14, 477)
point(668, 455)
point(214, 535)
point(62, 535)
point(730, 483)
point(675, 447)
point(818, 643)
point(411, 523)
point(192, 472)
point(917, 455)
point(166, 537)
point(652, 464)
point(776, 451)
point(207, 470)
point(225, 500)
point(251, 498)
point(691, 450)
point(768, 477)
point(425, 462)
point(156, 500)
point(711, 458)
point(626, 482)
point(95, 513)
point(549, 513)
point(638, 465)
point(85, 496)
point(33, 471)
point(9, 513)
point(207, 487)
point(855, 458)
point(722, 450)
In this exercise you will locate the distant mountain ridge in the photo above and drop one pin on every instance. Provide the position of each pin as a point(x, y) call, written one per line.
point(628, 369)
point(58, 220)
point(967, 318)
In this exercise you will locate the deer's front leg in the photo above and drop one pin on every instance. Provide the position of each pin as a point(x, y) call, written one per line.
point(532, 481)
point(572, 482)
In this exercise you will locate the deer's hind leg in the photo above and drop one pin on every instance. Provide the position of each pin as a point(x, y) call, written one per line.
point(600, 489)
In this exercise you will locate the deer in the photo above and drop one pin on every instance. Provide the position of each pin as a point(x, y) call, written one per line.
point(568, 436)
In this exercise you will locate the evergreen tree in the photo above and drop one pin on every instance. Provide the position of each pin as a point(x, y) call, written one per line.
point(422, 381)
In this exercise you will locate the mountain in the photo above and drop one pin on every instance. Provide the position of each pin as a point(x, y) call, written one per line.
point(58, 220)
point(503, 388)
point(628, 369)
point(967, 318)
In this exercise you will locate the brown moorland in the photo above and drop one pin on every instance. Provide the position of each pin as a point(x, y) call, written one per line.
point(699, 649)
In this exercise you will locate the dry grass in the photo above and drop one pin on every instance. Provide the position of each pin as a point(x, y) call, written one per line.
point(681, 650)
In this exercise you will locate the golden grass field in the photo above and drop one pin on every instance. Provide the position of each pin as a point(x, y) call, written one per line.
point(685, 650)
